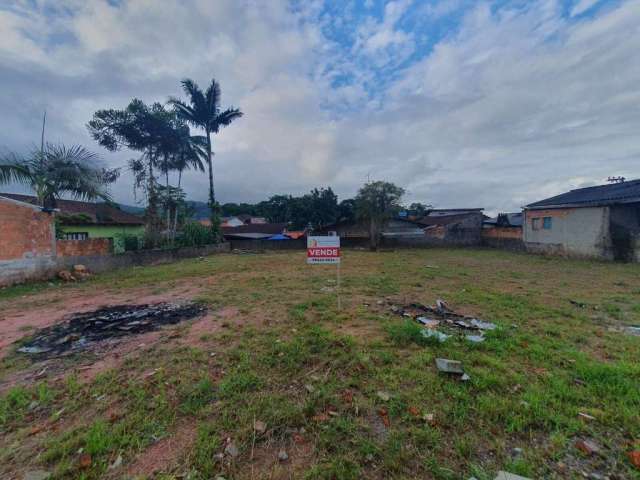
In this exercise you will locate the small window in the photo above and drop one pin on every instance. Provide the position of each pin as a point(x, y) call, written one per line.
point(546, 223)
point(76, 236)
point(535, 223)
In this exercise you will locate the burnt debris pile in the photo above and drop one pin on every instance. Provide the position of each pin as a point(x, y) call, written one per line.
point(82, 330)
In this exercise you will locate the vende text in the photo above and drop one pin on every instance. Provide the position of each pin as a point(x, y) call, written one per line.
point(323, 252)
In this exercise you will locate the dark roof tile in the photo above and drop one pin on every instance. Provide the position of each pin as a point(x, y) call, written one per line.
point(98, 213)
point(625, 192)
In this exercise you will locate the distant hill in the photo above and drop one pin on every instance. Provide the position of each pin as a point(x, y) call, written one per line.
point(200, 209)
point(131, 209)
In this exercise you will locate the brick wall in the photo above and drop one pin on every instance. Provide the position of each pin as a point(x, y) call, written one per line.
point(505, 238)
point(502, 232)
point(88, 247)
point(25, 231)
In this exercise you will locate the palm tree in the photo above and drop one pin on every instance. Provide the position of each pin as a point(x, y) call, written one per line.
point(203, 111)
point(188, 154)
point(57, 170)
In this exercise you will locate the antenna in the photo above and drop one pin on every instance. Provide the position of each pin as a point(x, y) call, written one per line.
point(615, 179)
point(44, 120)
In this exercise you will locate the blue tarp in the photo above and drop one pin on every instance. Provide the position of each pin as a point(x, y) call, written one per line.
point(279, 236)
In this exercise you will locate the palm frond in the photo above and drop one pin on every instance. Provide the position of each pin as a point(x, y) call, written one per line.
point(184, 111)
point(229, 115)
point(212, 97)
point(15, 169)
point(14, 174)
point(74, 154)
point(193, 91)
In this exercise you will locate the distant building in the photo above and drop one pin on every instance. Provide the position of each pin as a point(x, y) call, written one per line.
point(438, 227)
point(597, 222)
point(85, 220)
point(503, 231)
point(238, 220)
point(258, 231)
point(226, 222)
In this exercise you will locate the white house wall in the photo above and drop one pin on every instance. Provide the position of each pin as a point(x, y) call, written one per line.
point(579, 232)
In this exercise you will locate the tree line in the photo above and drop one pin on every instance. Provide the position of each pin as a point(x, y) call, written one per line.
point(318, 208)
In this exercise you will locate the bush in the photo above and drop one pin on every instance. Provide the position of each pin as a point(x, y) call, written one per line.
point(196, 235)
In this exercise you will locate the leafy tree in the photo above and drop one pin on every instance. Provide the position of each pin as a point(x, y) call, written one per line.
point(318, 208)
point(57, 170)
point(376, 203)
point(233, 209)
point(152, 130)
point(419, 209)
point(277, 209)
point(203, 110)
point(347, 210)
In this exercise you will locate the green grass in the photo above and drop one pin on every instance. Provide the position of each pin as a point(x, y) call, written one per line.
point(312, 373)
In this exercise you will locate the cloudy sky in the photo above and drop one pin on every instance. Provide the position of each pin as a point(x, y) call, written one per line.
point(464, 103)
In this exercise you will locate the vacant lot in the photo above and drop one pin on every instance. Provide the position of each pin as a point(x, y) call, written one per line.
point(276, 382)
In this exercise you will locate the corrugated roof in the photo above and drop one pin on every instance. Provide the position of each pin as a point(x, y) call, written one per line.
point(515, 219)
point(271, 228)
point(447, 219)
point(625, 192)
point(99, 213)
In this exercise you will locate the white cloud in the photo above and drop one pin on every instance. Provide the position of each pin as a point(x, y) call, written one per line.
point(513, 106)
point(582, 6)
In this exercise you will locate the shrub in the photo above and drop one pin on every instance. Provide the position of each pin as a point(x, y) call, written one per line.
point(196, 235)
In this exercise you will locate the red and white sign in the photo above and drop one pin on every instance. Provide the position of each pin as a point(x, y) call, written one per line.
point(323, 249)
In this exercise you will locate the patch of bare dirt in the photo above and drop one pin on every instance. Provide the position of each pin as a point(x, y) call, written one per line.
point(163, 455)
point(264, 461)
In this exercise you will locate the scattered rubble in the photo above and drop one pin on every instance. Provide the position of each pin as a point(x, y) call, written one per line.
point(259, 426)
point(384, 396)
point(429, 333)
point(453, 367)
point(231, 450)
point(475, 338)
point(82, 330)
point(509, 476)
point(449, 366)
point(586, 416)
point(441, 322)
point(633, 329)
point(283, 456)
point(587, 447)
point(117, 463)
point(66, 275)
point(37, 475)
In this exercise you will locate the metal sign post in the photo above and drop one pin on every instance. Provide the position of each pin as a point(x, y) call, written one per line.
point(325, 250)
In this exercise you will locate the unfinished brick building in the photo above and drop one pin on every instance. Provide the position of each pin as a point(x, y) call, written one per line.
point(27, 240)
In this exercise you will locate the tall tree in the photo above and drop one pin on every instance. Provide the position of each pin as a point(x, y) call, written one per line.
point(419, 210)
point(376, 203)
point(54, 171)
point(142, 128)
point(203, 110)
